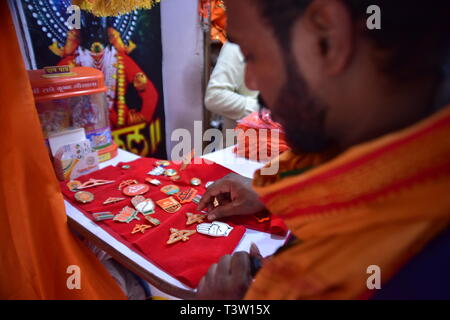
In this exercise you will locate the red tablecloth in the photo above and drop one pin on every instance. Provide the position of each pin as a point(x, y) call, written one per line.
point(186, 261)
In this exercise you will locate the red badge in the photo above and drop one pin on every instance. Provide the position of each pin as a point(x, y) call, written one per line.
point(136, 190)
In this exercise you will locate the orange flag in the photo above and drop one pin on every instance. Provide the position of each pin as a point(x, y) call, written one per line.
point(36, 247)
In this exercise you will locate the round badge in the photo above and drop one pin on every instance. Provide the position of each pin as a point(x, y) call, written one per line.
point(162, 163)
point(196, 181)
point(136, 189)
point(84, 197)
point(73, 185)
point(170, 189)
point(170, 172)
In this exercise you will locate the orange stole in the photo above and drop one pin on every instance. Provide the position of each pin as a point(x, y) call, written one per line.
point(378, 204)
point(36, 246)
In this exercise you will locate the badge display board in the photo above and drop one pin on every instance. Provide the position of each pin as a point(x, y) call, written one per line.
point(188, 261)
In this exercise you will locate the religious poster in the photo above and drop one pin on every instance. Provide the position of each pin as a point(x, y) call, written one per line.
point(126, 48)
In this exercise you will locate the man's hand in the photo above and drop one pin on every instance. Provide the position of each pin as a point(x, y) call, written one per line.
point(227, 280)
point(234, 195)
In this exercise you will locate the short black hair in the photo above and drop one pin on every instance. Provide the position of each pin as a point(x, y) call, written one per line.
point(416, 32)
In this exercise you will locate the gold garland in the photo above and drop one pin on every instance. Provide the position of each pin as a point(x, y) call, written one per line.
point(105, 8)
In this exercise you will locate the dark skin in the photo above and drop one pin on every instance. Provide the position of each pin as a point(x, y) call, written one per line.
point(338, 69)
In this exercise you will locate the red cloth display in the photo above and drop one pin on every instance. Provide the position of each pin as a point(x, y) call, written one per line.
point(186, 261)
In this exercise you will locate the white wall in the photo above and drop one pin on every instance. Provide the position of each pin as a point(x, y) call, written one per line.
point(182, 42)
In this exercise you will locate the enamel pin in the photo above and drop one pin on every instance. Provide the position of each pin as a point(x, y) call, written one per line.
point(175, 178)
point(194, 218)
point(162, 163)
point(158, 171)
point(152, 220)
point(187, 195)
point(126, 183)
point(93, 183)
point(140, 228)
point(170, 189)
point(179, 235)
point(136, 190)
point(215, 229)
point(197, 199)
point(143, 205)
point(126, 215)
point(196, 182)
point(73, 185)
point(169, 205)
point(113, 200)
point(154, 182)
point(84, 197)
point(170, 173)
point(102, 216)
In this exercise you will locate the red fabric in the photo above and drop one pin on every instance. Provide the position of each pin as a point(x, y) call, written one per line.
point(186, 261)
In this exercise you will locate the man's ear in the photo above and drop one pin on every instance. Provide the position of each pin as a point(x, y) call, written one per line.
point(325, 36)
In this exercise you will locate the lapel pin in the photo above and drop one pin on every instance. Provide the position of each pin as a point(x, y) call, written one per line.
point(113, 200)
point(93, 183)
point(135, 190)
point(196, 181)
point(194, 218)
point(158, 171)
point(187, 195)
point(126, 215)
point(169, 205)
point(84, 197)
point(126, 183)
point(140, 228)
point(179, 235)
point(143, 205)
point(170, 189)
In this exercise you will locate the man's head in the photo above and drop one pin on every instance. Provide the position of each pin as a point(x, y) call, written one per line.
point(329, 79)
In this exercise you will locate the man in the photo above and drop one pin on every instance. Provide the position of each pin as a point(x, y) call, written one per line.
point(377, 97)
point(227, 94)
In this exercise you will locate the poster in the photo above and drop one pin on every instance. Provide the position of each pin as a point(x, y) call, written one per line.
point(128, 50)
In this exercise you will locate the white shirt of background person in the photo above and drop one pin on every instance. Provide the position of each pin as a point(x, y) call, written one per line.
point(227, 94)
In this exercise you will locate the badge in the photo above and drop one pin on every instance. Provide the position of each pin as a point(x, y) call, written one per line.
point(215, 229)
point(194, 218)
point(187, 195)
point(153, 221)
point(196, 181)
point(178, 235)
point(170, 173)
point(135, 190)
point(127, 183)
point(208, 184)
point(102, 216)
point(169, 205)
point(126, 215)
point(144, 206)
point(84, 197)
point(158, 171)
point(170, 189)
point(154, 182)
point(93, 183)
point(162, 163)
point(197, 199)
point(140, 228)
point(113, 200)
point(73, 185)
point(175, 178)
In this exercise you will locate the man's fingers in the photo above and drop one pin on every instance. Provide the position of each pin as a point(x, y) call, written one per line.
point(212, 192)
point(222, 211)
point(254, 252)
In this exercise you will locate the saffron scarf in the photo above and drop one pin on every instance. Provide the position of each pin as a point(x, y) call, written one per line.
point(38, 253)
point(378, 203)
